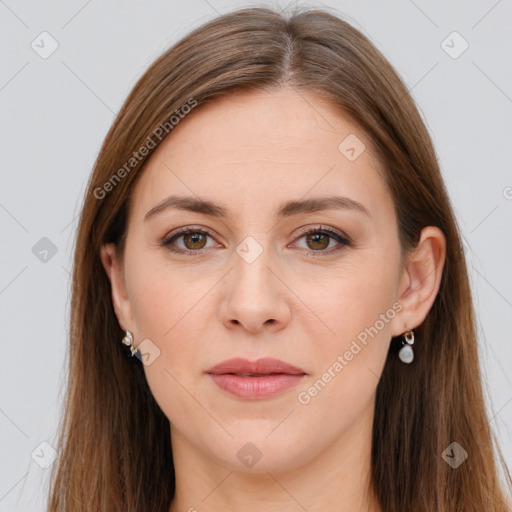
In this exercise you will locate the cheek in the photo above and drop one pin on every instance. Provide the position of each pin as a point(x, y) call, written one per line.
point(348, 361)
point(353, 302)
point(163, 297)
point(169, 309)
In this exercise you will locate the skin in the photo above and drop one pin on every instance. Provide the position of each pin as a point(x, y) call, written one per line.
point(250, 152)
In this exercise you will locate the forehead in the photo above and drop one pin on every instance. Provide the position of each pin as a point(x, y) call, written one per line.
point(253, 149)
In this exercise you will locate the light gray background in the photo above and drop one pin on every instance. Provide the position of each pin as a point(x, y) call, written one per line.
point(55, 113)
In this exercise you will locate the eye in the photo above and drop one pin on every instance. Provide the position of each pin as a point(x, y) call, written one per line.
point(193, 239)
point(320, 240)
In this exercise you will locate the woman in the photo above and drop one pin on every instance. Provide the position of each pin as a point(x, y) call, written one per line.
point(286, 277)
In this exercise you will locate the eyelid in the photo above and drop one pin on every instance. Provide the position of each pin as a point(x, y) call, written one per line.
point(187, 229)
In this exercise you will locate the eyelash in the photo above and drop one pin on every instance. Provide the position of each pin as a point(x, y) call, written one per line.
point(342, 239)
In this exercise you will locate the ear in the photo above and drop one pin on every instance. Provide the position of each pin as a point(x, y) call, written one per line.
point(120, 298)
point(420, 280)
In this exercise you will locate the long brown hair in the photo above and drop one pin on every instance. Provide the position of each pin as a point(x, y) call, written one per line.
point(114, 444)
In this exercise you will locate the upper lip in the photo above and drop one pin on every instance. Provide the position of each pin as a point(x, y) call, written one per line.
point(265, 365)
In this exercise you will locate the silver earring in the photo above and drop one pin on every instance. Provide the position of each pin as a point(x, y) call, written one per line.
point(128, 341)
point(406, 353)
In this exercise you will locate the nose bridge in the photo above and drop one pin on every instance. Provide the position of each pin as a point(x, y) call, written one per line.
point(254, 295)
point(252, 261)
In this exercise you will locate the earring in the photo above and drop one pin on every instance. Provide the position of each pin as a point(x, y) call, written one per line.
point(406, 354)
point(128, 341)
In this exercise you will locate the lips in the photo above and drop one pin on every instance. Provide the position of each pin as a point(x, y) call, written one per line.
point(264, 366)
point(255, 380)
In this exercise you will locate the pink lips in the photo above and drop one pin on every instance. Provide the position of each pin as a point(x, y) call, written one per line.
point(255, 380)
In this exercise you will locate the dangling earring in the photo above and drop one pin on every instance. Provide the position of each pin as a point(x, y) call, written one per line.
point(406, 354)
point(128, 341)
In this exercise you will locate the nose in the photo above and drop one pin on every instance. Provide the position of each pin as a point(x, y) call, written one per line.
point(255, 297)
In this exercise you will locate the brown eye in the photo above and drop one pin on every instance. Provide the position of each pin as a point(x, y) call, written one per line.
point(194, 240)
point(318, 241)
point(187, 241)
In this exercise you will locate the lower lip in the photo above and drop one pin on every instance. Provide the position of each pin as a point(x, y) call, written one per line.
point(256, 388)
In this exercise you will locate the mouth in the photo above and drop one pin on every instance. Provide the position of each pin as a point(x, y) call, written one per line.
point(255, 380)
point(255, 374)
point(264, 366)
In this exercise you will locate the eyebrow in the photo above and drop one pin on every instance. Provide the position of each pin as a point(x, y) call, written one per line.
point(287, 209)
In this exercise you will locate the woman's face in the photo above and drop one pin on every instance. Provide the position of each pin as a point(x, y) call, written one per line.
point(256, 284)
